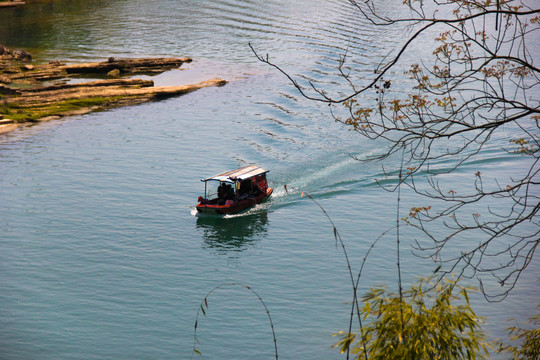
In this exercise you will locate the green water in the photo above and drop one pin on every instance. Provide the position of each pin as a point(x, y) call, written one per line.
point(101, 256)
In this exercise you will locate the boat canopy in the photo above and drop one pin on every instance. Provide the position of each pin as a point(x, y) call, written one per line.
point(243, 173)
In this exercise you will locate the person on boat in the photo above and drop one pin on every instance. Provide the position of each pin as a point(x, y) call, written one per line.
point(202, 200)
point(246, 189)
point(225, 192)
point(229, 192)
point(221, 193)
point(256, 188)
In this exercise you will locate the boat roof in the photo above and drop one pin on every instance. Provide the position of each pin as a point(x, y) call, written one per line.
point(242, 173)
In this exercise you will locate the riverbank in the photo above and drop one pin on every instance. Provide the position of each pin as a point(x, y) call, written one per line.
point(34, 93)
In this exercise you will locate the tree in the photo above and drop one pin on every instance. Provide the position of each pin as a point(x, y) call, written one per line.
point(479, 82)
point(424, 323)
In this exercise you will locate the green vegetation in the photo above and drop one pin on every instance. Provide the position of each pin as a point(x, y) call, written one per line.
point(528, 340)
point(425, 323)
point(20, 114)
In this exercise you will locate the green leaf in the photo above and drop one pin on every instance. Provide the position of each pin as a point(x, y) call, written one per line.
point(367, 308)
point(346, 343)
point(465, 295)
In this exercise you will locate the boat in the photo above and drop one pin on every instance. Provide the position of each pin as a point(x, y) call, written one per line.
point(237, 190)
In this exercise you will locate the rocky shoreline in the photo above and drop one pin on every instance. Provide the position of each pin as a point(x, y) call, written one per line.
point(34, 93)
point(11, 3)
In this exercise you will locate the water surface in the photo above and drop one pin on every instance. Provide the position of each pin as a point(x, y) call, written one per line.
point(101, 256)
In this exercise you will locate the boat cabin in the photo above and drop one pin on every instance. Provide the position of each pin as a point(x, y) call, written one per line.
point(234, 191)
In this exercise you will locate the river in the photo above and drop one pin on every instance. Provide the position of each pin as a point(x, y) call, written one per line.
point(101, 254)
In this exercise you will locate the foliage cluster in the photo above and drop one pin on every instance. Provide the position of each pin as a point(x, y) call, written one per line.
point(425, 323)
point(528, 341)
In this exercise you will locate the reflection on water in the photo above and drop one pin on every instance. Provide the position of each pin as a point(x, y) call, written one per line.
point(232, 233)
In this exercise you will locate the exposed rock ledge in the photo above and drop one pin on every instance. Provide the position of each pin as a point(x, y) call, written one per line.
point(11, 3)
point(24, 98)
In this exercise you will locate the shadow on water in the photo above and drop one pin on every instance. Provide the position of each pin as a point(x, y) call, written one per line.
point(234, 233)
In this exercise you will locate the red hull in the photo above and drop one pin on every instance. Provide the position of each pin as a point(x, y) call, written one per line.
point(235, 207)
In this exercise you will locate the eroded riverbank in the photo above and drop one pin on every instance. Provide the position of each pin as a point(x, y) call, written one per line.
point(33, 93)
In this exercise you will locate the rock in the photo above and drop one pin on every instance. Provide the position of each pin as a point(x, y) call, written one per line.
point(35, 99)
point(84, 86)
point(114, 73)
point(2, 49)
point(4, 79)
point(8, 91)
point(143, 65)
point(21, 55)
point(11, 3)
point(50, 118)
point(7, 128)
